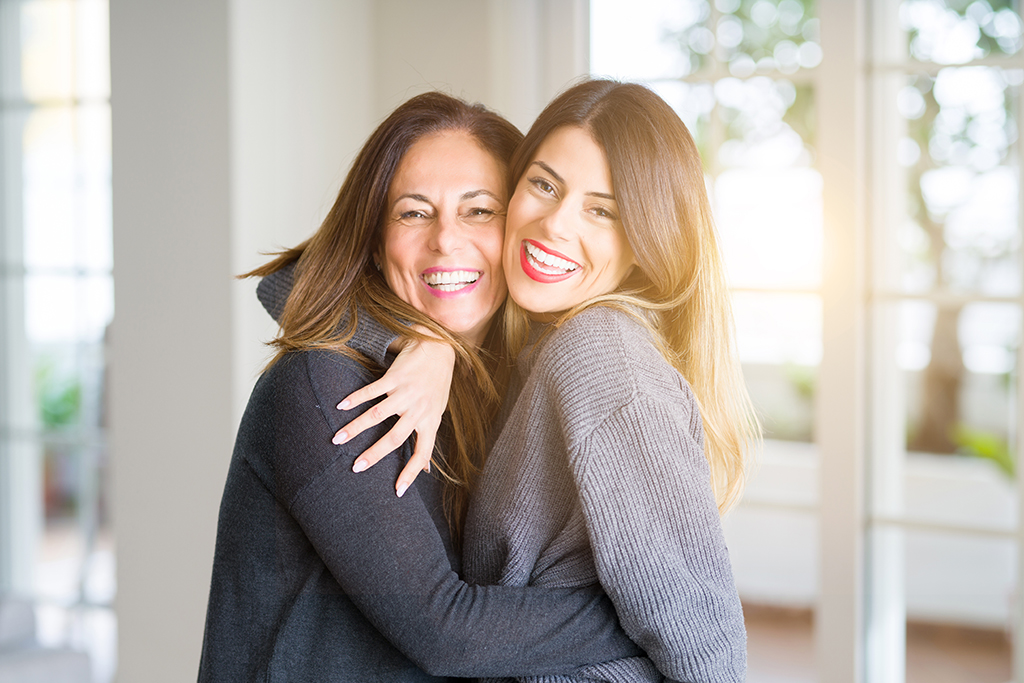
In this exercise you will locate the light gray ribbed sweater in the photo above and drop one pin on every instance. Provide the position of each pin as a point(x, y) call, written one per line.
point(598, 476)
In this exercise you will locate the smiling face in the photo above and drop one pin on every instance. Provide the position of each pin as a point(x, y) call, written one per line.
point(564, 242)
point(441, 244)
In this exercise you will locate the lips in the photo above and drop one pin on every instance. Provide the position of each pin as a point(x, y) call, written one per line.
point(544, 265)
point(445, 283)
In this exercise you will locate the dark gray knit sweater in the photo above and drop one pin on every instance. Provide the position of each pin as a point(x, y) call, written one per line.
point(598, 477)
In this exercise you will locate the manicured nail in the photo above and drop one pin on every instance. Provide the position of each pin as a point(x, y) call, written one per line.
point(344, 405)
point(402, 488)
point(360, 465)
point(340, 438)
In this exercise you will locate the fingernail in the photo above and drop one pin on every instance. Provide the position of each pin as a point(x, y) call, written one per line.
point(360, 466)
point(343, 405)
point(340, 438)
point(402, 488)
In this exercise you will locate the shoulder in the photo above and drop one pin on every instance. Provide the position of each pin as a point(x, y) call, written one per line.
point(601, 330)
point(607, 347)
point(603, 359)
point(286, 432)
point(314, 373)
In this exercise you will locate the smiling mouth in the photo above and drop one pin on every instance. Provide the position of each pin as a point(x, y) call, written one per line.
point(549, 264)
point(451, 280)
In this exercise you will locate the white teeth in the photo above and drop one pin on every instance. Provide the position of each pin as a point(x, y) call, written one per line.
point(451, 280)
point(549, 259)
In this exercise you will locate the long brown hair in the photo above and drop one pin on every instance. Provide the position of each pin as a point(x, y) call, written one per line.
point(336, 281)
point(679, 285)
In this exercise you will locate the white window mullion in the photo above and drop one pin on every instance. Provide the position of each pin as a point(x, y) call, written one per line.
point(1018, 427)
point(839, 621)
point(885, 583)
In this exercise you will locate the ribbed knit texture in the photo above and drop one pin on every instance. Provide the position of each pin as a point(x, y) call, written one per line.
point(598, 476)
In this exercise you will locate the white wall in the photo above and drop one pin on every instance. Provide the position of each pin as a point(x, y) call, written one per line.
point(234, 123)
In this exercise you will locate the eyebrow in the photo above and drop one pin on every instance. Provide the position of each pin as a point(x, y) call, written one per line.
point(417, 197)
point(468, 195)
point(477, 193)
point(551, 171)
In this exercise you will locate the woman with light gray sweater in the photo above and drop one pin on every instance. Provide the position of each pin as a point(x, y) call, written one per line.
point(626, 427)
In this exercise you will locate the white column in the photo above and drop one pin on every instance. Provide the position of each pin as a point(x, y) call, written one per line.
point(171, 338)
point(839, 619)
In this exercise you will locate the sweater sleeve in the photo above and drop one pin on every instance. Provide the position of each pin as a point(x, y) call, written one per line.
point(634, 439)
point(387, 555)
point(658, 545)
point(370, 339)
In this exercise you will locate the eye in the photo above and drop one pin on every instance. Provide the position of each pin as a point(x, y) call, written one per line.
point(602, 212)
point(413, 214)
point(542, 185)
point(480, 214)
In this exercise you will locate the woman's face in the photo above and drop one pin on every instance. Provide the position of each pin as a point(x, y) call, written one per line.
point(441, 246)
point(564, 242)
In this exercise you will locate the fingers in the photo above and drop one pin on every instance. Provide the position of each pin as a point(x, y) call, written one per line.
point(386, 444)
point(408, 476)
point(367, 393)
point(419, 462)
point(371, 418)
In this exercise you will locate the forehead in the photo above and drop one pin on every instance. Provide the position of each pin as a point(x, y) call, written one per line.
point(573, 153)
point(449, 161)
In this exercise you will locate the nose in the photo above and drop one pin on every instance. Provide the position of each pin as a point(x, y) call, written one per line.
point(445, 235)
point(557, 222)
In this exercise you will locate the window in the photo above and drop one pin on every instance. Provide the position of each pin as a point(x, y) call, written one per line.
point(56, 300)
point(941, 302)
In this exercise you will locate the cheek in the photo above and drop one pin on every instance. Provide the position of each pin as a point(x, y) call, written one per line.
point(492, 245)
point(399, 260)
point(516, 217)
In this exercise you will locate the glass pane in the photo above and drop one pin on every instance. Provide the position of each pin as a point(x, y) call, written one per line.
point(960, 367)
point(655, 39)
point(65, 50)
point(66, 188)
point(943, 424)
point(957, 31)
point(959, 597)
point(694, 103)
point(774, 555)
point(769, 123)
point(48, 49)
point(765, 36)
point(57, 246)
point(649, 39)
point(92, 56)
point(769, 221)
point(958, 227)
point(779, 338)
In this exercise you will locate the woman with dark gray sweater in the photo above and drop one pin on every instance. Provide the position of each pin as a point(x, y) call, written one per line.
point(321, 574)
point(626, 427)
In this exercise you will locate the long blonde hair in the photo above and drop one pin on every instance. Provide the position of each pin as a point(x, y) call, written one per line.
point(679, 284)
point(336, 281)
